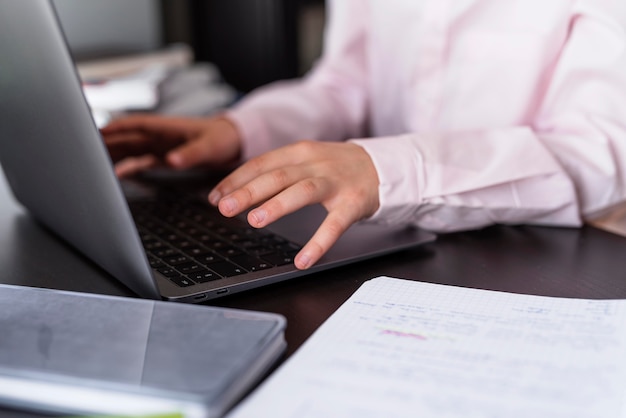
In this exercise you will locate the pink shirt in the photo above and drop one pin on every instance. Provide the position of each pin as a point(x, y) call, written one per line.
point(473, 111)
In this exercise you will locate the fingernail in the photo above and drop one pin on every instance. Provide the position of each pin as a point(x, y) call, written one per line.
point(258, 216)
point(304, 261)
point(228, 205)
point(175, 159)
point(214, 197)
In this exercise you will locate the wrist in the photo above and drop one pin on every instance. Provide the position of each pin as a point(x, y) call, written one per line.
point(229, 143)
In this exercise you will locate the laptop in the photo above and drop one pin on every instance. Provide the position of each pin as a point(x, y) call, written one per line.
point(58, 168)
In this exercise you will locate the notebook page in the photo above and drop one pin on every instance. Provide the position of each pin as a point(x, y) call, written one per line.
point(399, 348)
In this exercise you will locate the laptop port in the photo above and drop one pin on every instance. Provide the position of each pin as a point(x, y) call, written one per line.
point(221, 291)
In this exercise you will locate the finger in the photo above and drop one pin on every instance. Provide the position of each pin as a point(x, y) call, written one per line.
point(133, 165)
point(272, 160)
point(284, 185)
point(153, 124)
point(128, 123)
point(333, 226)
point(301, 194)
point(203, 151)
point(129, 144)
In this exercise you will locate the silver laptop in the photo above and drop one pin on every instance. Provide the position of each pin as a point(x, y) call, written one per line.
point(59, 169)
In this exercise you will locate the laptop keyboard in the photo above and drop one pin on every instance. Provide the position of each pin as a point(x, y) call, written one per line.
point(190, 242)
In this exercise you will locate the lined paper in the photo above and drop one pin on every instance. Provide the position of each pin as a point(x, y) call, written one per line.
point(400, 348)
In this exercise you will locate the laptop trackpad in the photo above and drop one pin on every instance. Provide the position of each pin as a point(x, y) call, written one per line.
point(360, 241)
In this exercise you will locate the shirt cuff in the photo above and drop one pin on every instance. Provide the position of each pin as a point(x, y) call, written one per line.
point(400, 169)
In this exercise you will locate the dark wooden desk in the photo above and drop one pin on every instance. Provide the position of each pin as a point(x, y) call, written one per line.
point(586, 263)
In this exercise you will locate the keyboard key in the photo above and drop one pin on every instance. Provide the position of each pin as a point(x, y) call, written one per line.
point(182, 281)
point(251, 263)
point(259, 250)
point(172, 237)
point(226, 269)
point(165, 252)
point(287, 247)
point(155, 263)
point(168, 272)
point(204, 276)
point(272, 240)
point(187, 269)
point(177, 260)
point(208, 258)
point(228, 251)
point(217, 244)
point(153, 245)
point(278, 259)
point(197, 251)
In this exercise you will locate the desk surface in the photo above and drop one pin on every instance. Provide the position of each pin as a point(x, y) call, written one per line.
point(586, 263)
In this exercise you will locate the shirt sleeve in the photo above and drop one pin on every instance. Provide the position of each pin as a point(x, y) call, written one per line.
point(328, 104)
point(569, 165)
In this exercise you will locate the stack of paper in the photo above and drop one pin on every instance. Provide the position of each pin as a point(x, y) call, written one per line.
point(137, 91)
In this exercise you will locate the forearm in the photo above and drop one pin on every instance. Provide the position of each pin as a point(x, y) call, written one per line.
point(317, 108)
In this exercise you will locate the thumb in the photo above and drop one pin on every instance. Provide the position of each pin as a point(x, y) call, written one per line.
point(189, 155)
point(217, 143)
point(203, 151)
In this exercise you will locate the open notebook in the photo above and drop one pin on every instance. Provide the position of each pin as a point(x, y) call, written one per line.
point(400, 348)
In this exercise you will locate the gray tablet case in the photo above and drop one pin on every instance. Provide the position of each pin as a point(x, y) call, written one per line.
point(80, 353)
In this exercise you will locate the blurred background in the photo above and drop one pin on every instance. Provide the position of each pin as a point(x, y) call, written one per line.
point(252, 42)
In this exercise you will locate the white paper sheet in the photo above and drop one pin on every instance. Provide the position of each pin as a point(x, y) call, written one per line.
point(400, 348)
point(137, 91)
